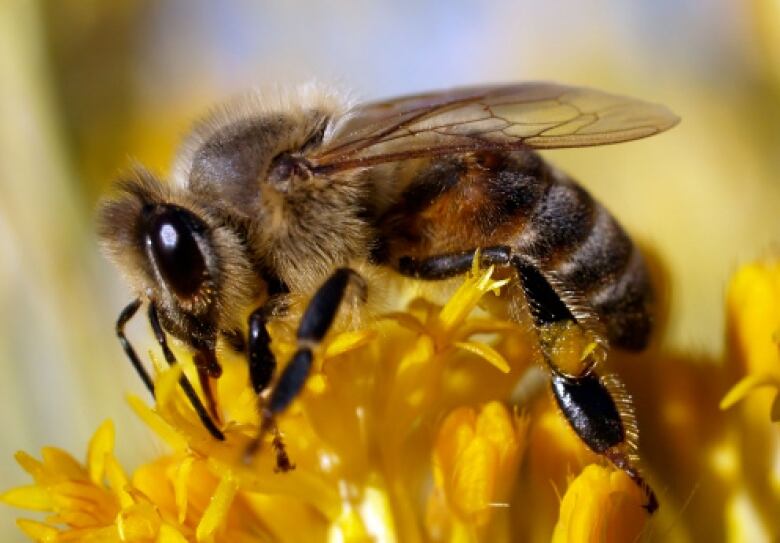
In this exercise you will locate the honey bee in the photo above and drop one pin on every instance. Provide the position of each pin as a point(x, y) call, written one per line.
point(272, 196)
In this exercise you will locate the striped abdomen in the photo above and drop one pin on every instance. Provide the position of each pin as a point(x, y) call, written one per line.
point(519, 201)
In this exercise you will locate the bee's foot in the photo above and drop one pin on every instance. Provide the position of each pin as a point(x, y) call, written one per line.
point(268, 424)
point(283, 463)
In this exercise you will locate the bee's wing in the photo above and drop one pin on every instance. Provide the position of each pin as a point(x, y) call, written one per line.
point(538, 115)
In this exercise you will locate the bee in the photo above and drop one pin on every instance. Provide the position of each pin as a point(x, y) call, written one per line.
point(272, 196)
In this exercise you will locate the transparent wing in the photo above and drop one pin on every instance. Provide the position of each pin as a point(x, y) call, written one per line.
point(537, 115)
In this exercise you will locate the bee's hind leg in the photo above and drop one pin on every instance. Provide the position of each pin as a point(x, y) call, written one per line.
point(315, 323)
point(596, 408)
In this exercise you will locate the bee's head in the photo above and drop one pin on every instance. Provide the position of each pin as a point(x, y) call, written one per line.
point(178, 253)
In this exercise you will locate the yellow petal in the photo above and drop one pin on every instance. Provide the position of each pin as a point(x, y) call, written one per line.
point(62, 463)
point(217, 510)
point(101, 444)
point(31, 465)
point(138, 522)
point(117, 480)
point(602, 505)
point(476, 457)
point(496, 425)
point(169, 534)
point(407, 320)
point(463, 301)
point(754, 315)
point(37, 531)
point(746, 385)
point(31, 497)
point(180, 487)
point(166, 385)
point(454, 435)
point(157, 424)
point(348, 341)
point(473, 480)
point(486, 352)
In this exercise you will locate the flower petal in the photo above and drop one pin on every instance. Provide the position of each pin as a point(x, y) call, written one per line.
point(180, 487)
point(101, 444)
point(59, 461)
point(169, 534)
point(486, 352)
point(31, 497)
point(157, 424)
point(217, 510)
point(348, 341)
point(746, 385)
point(37, 531)
point(601, 505)
point(165, 387)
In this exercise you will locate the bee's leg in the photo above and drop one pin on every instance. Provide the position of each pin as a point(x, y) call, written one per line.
point(208, 367)
point(584, 399)
point(127, 314)
point(262, 366)
point(594, 415)
point(315, 323)
point(597, 416)
point(452, 264)
point(203, 414)
point(262, 362)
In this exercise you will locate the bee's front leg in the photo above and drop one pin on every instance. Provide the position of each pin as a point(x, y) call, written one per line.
point(315, 323)
point(185, 384)
point(127, 313)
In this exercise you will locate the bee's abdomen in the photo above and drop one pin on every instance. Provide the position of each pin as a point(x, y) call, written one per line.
point(518, 200)
point(575, 238)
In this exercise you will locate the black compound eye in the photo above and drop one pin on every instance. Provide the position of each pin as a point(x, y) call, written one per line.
point(171, 236)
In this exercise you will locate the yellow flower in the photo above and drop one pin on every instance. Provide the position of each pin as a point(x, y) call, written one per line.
point(475, 461)
point(754, 329)
point(350, 436)
point(93, 502)
point(408, 430)
point(753, 310)
point(602, 505)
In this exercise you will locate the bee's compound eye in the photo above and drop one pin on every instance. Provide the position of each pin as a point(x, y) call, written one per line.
point(171, 236)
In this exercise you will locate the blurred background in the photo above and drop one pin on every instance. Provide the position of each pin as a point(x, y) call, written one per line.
point(87, 87)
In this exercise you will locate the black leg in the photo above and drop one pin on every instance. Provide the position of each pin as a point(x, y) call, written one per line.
point(544, 303)
point(593, 414)
point(315, 323)
point(452, 264)
point(262, 362)
point(584, 399)
point(183, 381)
point(127, 314)
point(205, 360)
point(262, 366)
